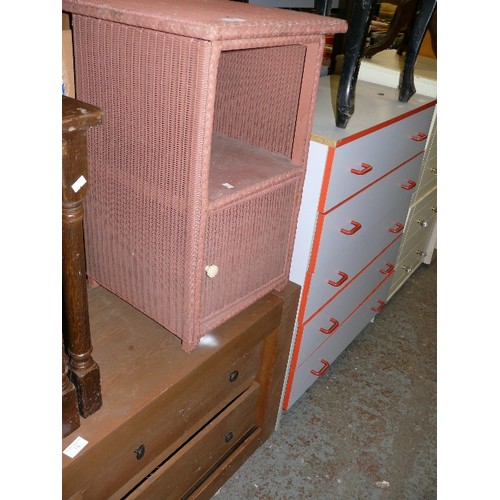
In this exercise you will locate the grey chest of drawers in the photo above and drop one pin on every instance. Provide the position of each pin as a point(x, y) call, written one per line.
point(357, 193)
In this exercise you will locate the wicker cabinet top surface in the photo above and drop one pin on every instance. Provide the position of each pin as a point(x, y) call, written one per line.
point(208, 19)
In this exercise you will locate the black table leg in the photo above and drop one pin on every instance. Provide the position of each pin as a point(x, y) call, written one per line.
point(354, 48)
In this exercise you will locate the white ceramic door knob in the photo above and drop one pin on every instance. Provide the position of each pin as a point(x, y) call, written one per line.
point(212, 271)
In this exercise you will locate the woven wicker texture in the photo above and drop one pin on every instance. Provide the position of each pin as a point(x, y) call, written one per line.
point(251, 85)
point(200, 161)
point(140, 208)
point(259, 226)
point(208, 19)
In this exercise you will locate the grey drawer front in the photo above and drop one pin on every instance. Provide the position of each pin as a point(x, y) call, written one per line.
point(382, 150)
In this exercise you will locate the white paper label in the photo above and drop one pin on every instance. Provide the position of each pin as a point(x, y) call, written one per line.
point(79, 183)
point(75, 447)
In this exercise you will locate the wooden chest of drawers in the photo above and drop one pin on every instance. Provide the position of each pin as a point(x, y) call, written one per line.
point(176, 424)
point(358, 187)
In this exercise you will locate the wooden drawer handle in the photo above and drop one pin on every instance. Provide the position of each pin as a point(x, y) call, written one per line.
point(411, 184)
point(355, 229)
point(380, 307)
point(419, 137)
point(365, 168)
point(323, 370)
point(389, 270)
point(399, 227)
point(340, 281)
point(332, 328)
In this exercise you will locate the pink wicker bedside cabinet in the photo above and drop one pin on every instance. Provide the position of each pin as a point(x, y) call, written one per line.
point(197, 170)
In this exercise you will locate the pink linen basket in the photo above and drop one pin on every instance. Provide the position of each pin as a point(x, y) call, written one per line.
point(196, 173)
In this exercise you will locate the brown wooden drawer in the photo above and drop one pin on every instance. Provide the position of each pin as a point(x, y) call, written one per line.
point(192, 389)
point(165, 424)
point(186, 468)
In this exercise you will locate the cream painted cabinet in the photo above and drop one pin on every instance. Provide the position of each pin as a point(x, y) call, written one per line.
point(419, 238)
point(358, 189)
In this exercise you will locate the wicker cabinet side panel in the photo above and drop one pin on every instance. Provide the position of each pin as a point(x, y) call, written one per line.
point(145, 162)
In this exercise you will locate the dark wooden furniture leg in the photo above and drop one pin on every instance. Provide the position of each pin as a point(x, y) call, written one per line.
point(70, 415)
point(82, 369)
point(323, 7)
point(401, 22)
point(354, 48)
point(422, 18)
point(433, 31)
point(344, 11)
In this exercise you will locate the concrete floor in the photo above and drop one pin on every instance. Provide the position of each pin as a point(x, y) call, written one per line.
point(367, 428)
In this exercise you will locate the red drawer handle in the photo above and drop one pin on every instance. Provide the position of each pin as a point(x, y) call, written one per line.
point(323, 370)
point(365, 168)
point(419, 137)
point(340, 281)
point(389, 269)
point(399, 227)
point(356, 228)
point(380, 307)
point(332, 328)
point(411, 184)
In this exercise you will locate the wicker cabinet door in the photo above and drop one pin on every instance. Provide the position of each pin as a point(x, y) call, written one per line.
point(246, 249)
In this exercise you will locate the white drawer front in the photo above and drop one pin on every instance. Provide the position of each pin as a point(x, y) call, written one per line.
point(428, 177)
point(418, 231)
point(334, 312)
point(318, 361)
point(421, 220)
point(373, 155)
point(407, 265)
point(428, 180)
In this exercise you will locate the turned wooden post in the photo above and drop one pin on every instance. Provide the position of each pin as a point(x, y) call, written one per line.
point(70, 415)
point(83, 371)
